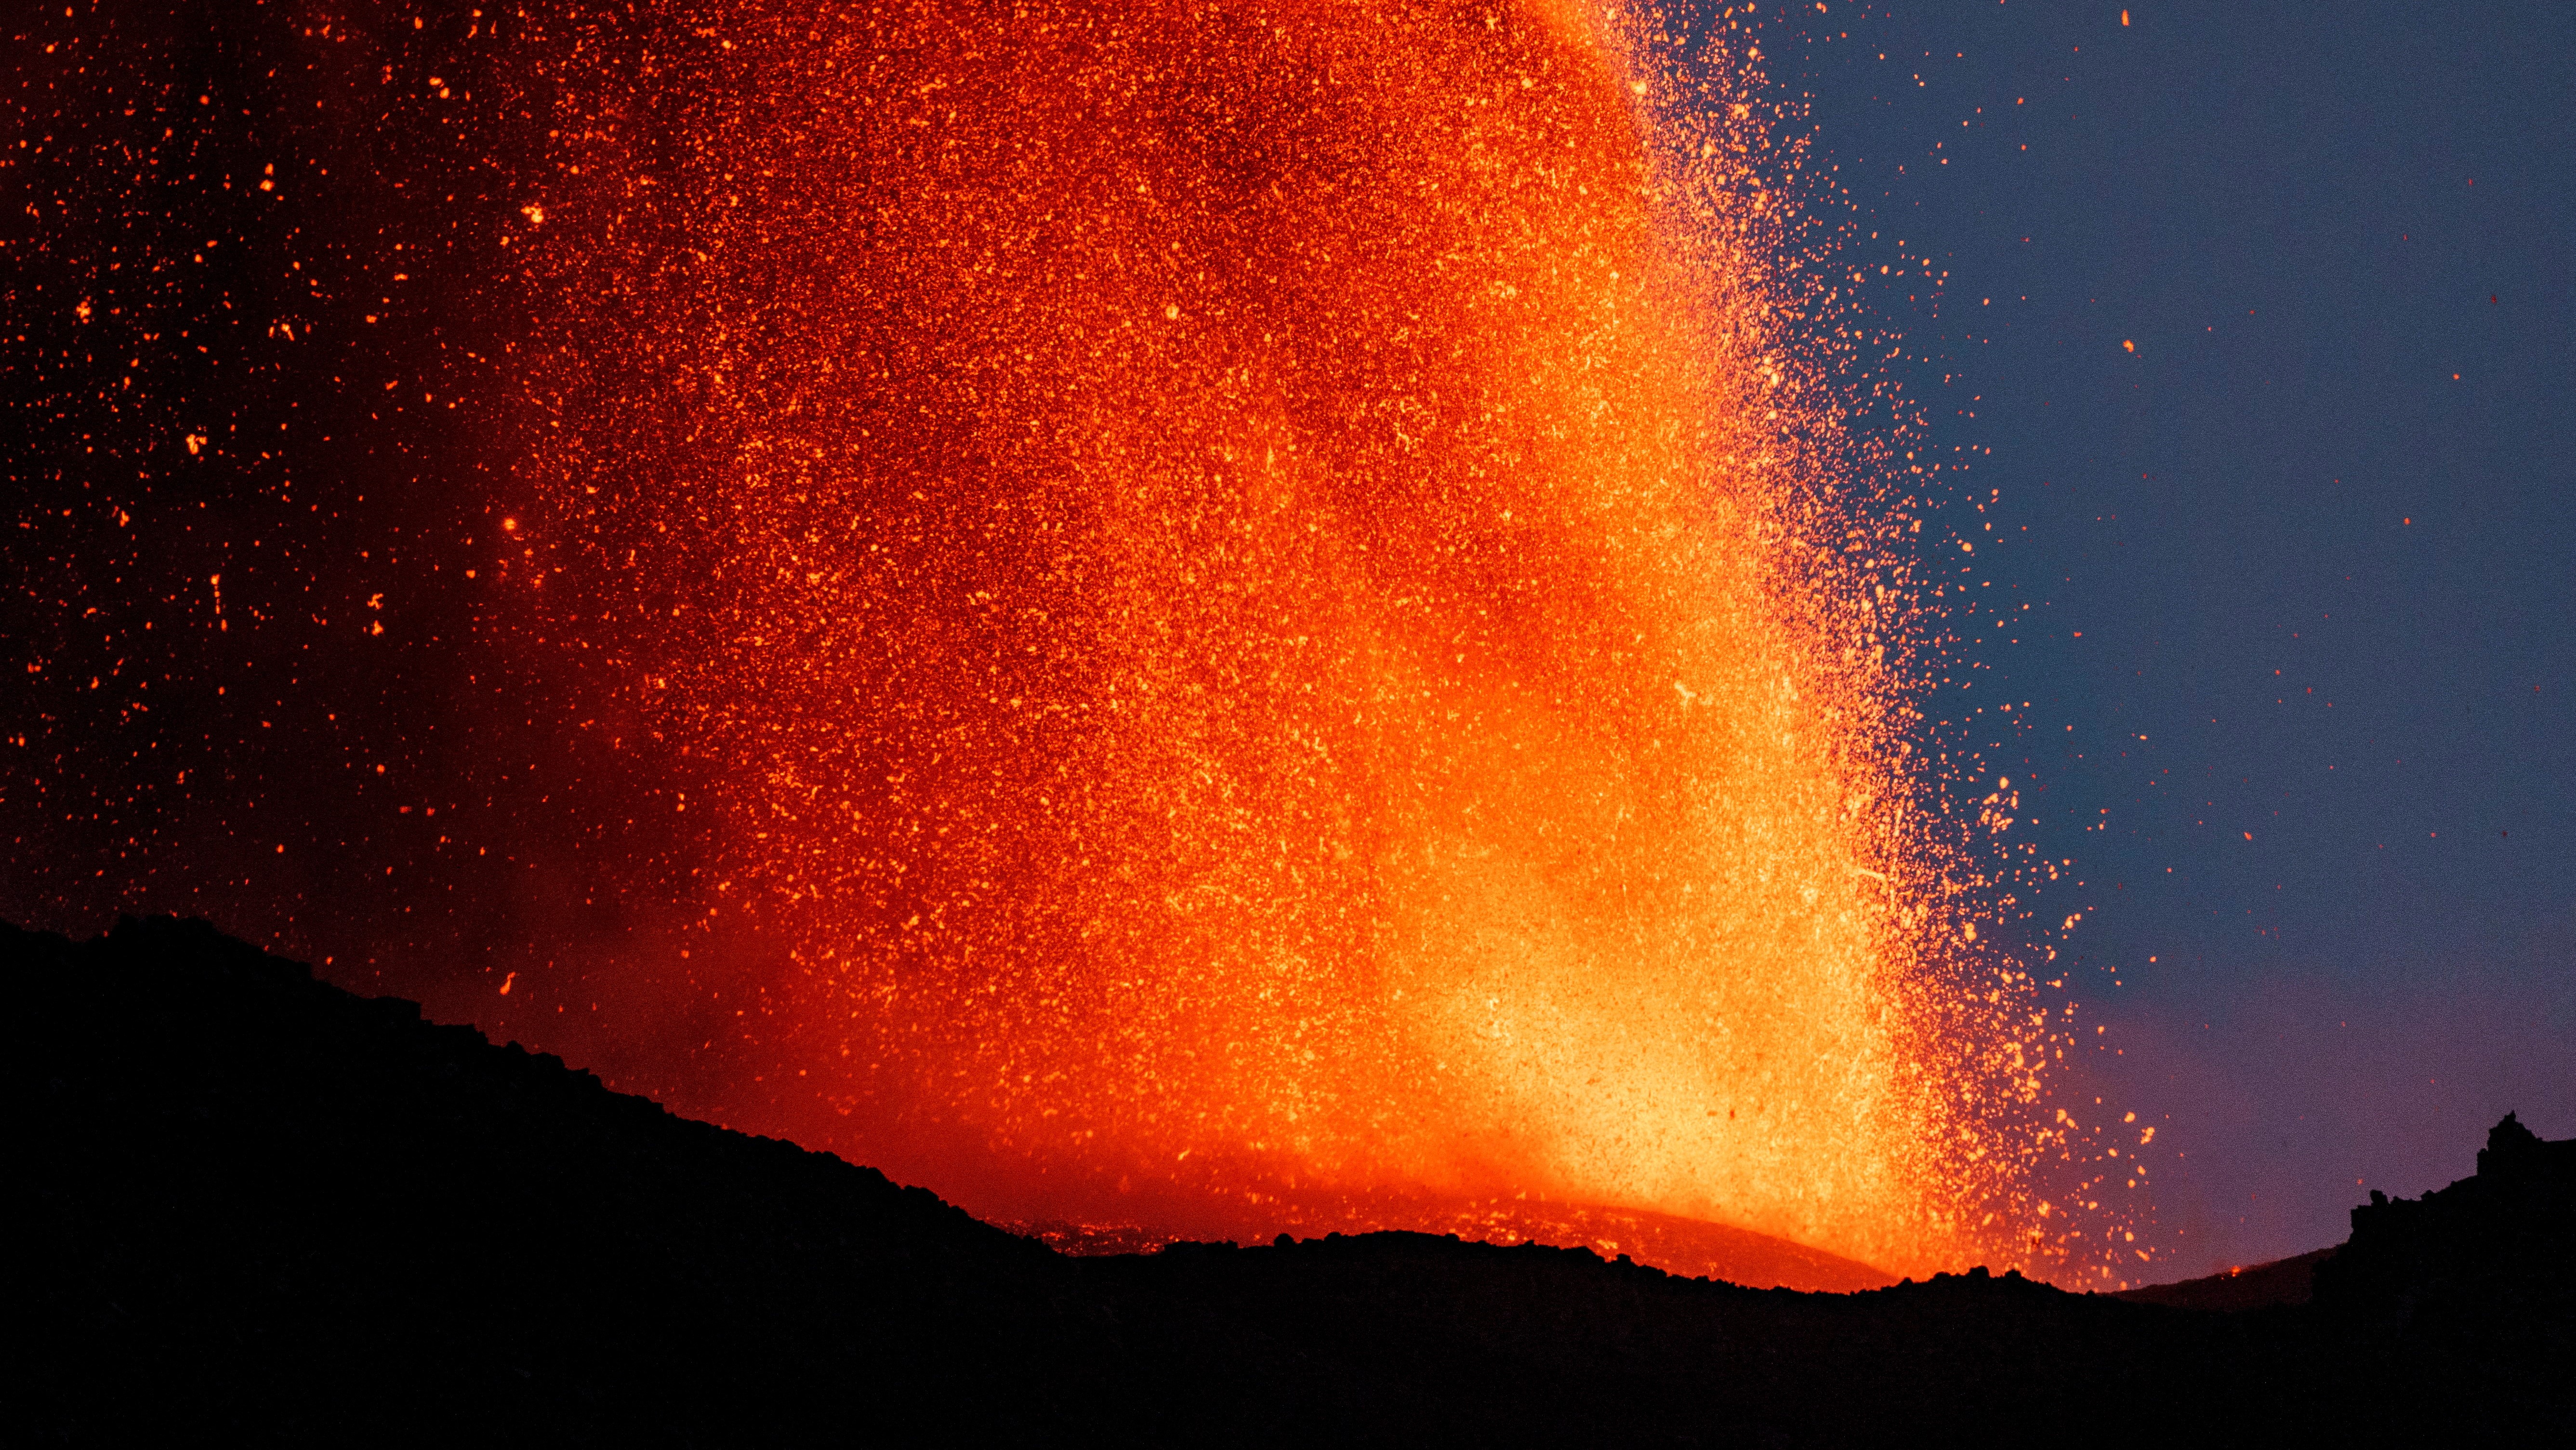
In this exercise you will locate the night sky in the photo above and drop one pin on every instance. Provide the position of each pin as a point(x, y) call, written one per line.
point(2266, 321)
point(2301, 664)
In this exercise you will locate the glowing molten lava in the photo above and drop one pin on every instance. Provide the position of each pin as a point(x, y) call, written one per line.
point(1251, 620)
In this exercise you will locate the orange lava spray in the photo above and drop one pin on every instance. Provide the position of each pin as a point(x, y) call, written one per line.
point(1268, 605)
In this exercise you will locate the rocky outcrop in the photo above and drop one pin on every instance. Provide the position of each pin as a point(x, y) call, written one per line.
point(2485, 1268)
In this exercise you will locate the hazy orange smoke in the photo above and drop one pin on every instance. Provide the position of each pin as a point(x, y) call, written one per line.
point(1239, 571)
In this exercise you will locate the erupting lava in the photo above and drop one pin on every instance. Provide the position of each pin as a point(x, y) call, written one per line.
point(1212, 617)
point(1258, 598)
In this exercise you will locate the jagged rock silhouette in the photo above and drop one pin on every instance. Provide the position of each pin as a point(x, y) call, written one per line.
point(2472, 1271)
point(253, 1207)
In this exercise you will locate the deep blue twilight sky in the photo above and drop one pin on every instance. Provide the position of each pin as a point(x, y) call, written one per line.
point(2302, 564)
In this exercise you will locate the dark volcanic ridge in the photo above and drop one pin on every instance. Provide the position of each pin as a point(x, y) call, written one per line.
point(257, 1207)
point(1691, 1248)
point(2249, 1286)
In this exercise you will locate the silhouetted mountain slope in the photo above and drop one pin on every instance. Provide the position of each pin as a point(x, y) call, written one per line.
point(254, 1207)
point(302, 1211)
point(1691, 1248)
point(2254, 1286)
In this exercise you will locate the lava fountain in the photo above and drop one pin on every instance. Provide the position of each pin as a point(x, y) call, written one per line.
point(1258, 604)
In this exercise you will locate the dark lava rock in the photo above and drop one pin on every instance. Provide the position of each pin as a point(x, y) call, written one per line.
point(251, 1207)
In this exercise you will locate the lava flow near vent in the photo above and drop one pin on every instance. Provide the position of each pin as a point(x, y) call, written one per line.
point(1237, 617)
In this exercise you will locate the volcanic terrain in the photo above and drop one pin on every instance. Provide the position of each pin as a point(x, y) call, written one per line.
point(255, 1207)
